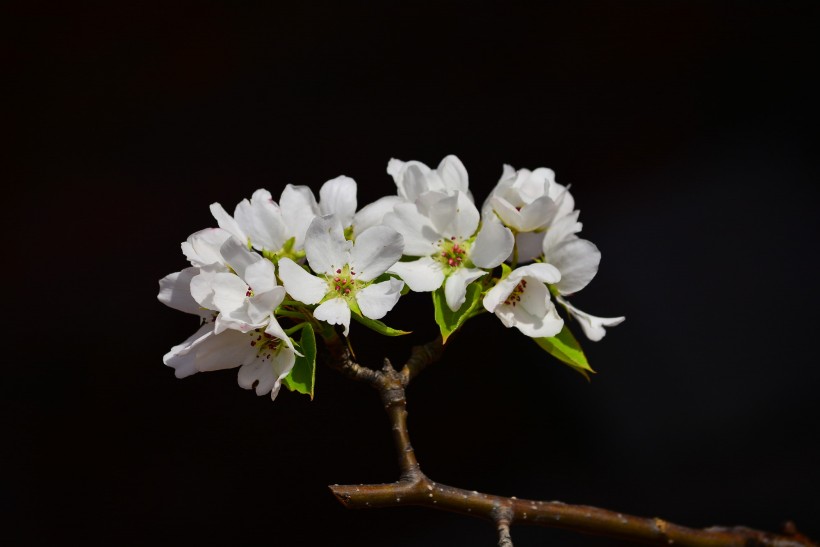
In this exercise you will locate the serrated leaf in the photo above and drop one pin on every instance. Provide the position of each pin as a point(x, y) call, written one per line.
point(378, 326)
point(566, 349)
point(450, 321)
point(302, 377)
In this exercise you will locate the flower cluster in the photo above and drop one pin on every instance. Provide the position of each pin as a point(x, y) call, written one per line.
point(272, 271)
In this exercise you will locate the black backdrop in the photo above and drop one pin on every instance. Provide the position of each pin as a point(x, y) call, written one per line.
point(684, 129)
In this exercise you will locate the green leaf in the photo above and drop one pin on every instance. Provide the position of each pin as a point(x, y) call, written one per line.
point(450, 321)
point(302, 377)
point(566, 349)
point(378, 326)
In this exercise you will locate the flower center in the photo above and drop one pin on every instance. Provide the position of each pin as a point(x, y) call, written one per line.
point(266, 345)
point(453, 252)
point(343, 282)
point(515, 295)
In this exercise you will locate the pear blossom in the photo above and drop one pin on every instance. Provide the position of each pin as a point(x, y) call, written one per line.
point(263, 359)
point(522, 300)
point(441, 229)
point(528, 202)
point(246, 297)
point(414, 178)
point(346, 271)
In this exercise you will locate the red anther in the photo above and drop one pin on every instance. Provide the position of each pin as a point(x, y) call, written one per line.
point(336, 280)
point(443, 253)
point(339, 271)
point(253, 343)
point(347, 291)
point(338, 288)
point(344, 281)
point(453, 238)
point(451, 262)
point(352, 273)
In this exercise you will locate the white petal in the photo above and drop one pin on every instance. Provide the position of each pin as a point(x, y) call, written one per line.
point(175, 292)
point(419, 235)
point(275, 329)
point(373, 213)
point(226, 350)
point(299, 207)
point(562, 229)
point(265, 375)
point(561, 196)
point(422, 275)
point(260, 276)
point(529, 245)
point(538, 214)
point(498, 294)
point(261, 306)
point(544, 273)
point(592, 326)
point(493, 244)
point(227, 222)
point(238, 257)
point(535, 326)
point(229, 291)
point(453, 174)
point(506, 211)
point(262, 220)
point(338, 197)
point(410, 178)
point(202, 286)
point(335, 312)
point(301, 285)
point(577, 260)
point(202, 248)
point(456, 216)
point(325, 245)
point(455, 288)
point(375, 250)
point(182, 357)
point(534, 184)
point(379, 298)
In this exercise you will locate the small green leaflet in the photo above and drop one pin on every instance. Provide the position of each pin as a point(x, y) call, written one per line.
point(378, 326)
point(566, 349)
point(302, 377)
point(450, 321)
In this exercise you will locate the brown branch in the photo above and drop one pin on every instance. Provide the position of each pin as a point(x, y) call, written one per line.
point(415, 488)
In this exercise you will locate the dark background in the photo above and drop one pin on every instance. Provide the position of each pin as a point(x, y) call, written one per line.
point(684, 129)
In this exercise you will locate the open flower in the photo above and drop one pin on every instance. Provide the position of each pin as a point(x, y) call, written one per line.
point(346, 271)
point(522, 300)
point(263, 359)
point(441, 229)
point(246, 297)
point(528, 202)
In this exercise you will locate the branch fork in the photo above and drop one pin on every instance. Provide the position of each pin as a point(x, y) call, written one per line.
point(415, 488)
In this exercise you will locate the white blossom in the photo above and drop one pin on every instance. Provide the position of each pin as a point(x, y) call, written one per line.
point(345, 272)
point(263, 359)
point(522, 300)
point(529, 202)
point(441, 229)
point(245, 297)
